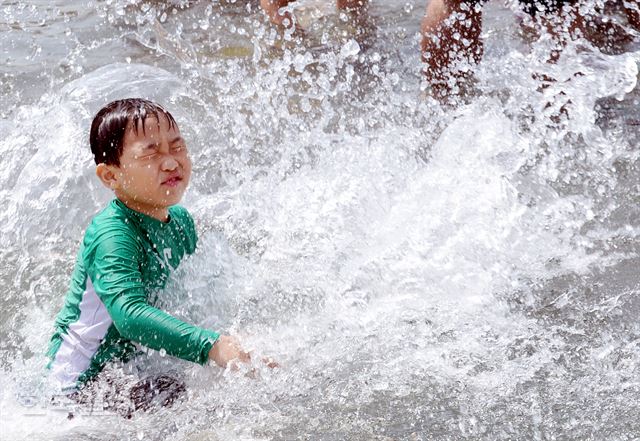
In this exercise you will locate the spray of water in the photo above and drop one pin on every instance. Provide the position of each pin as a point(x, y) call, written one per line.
point(419, 272)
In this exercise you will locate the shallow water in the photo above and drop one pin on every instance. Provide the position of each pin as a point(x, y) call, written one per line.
point(419, 272)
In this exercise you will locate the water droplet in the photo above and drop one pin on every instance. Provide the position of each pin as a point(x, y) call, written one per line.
point(350, 48)
point(305, 105)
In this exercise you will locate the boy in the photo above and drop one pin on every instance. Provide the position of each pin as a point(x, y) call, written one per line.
point(127, 253)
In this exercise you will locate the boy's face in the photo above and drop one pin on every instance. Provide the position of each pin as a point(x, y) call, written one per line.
point(154, 168)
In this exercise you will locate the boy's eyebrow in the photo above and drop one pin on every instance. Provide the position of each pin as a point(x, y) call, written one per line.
point(176, 139)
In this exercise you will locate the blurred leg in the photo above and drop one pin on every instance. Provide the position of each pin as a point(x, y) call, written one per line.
point(272, 7)
point(352, 5)
point(563, 22)
point(450, 35)
point(610, 35)
point(632, 9)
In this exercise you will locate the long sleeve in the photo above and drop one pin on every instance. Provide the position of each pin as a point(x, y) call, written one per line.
point(117, 278)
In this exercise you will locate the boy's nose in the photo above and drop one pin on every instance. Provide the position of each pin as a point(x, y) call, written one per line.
point(169, 163)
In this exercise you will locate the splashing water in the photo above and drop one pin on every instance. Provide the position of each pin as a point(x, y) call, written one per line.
point(419, 272)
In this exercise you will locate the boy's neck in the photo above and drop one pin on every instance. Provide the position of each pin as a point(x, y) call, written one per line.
point(160, 213)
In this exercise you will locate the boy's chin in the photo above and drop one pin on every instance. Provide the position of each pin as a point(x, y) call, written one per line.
point(169, 202)
point(173, 199)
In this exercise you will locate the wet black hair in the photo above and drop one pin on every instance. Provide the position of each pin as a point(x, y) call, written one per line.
point(111, 122)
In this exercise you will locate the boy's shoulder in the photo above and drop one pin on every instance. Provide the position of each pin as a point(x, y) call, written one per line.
point(115, 214)
point(111, 220)
point(181, 216)
point(117, 222)
point(180, 213)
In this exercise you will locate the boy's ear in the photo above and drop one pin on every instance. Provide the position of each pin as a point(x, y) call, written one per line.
point(106, 174)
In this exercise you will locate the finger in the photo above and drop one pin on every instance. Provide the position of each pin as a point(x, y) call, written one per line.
point(271, 363)
point(253, 374)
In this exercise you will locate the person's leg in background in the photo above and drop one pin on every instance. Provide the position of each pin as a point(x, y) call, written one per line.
point(450, 42)
point(273, 7)
point(632, 9)
point(351, 5)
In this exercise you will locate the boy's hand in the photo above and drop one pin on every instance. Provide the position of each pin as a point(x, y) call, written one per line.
point(227, 349)
point(270, 362)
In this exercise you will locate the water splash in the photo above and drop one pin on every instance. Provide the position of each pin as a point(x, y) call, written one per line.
point(418, 271)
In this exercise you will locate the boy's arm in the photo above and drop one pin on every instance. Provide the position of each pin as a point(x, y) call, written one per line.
point(118, 282)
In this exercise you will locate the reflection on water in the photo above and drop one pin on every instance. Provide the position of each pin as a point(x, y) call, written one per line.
point(420, 272)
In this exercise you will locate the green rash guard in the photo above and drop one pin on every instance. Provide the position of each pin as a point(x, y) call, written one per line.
point(124, 260)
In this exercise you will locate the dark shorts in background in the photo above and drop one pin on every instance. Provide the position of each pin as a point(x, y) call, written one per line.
point(533, 7)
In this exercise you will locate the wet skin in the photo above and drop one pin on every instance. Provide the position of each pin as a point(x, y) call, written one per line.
point(154, 168)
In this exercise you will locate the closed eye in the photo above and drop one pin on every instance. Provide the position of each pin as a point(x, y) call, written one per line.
point(148, 152)
point(178, 145)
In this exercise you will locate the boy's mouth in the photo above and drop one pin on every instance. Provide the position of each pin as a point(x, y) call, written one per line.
point(172, 181)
